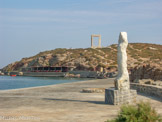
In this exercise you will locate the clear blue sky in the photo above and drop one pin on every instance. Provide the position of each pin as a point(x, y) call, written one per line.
point(28, 27)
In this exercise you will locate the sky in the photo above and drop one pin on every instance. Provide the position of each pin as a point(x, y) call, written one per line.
point(28, 27)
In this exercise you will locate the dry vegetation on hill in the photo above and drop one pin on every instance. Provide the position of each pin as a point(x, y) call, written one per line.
point(89, 59)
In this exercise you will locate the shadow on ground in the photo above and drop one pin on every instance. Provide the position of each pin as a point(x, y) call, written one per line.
point(100, 102)
point(94, 102)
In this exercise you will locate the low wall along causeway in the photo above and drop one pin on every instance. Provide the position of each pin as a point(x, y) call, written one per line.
point(148, 89)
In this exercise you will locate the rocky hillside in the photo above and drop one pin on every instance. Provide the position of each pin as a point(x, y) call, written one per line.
point(146, 71)
point(92, 59)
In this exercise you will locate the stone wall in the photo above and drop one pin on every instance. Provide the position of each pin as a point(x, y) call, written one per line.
point(148, 89)
point(85, 74)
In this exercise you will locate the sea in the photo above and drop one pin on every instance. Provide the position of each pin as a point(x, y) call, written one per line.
point(9, 82)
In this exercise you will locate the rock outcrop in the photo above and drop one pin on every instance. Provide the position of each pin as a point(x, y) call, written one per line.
point(146, 71)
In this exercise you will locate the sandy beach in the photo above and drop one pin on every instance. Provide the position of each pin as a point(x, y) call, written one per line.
point(62, 103)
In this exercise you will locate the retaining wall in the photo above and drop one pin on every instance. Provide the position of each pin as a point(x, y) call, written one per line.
point(85, 74)
point(148, 89)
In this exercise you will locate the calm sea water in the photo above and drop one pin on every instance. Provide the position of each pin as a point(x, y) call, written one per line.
point(8, 82)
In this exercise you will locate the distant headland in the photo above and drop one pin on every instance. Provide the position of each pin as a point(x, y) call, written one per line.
point(92, 59)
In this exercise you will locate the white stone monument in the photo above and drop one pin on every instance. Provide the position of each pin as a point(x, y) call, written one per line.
point(122, 80)
point(121, 93)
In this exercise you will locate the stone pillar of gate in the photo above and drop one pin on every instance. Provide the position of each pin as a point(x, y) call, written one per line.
point(91, 41)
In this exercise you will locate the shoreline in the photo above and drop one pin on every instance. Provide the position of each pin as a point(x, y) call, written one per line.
point(41, 86)
point(35, 87)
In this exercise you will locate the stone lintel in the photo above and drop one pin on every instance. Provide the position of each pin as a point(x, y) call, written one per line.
point(95, 35)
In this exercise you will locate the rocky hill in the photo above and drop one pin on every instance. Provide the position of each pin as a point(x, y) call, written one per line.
point(92, 59)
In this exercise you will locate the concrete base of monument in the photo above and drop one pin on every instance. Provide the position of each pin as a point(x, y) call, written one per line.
point(117, 97)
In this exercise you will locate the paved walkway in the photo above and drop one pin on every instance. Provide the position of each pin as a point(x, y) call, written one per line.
point(61, 103)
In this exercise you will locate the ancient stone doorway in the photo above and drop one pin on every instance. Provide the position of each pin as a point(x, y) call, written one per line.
point(99, 41)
